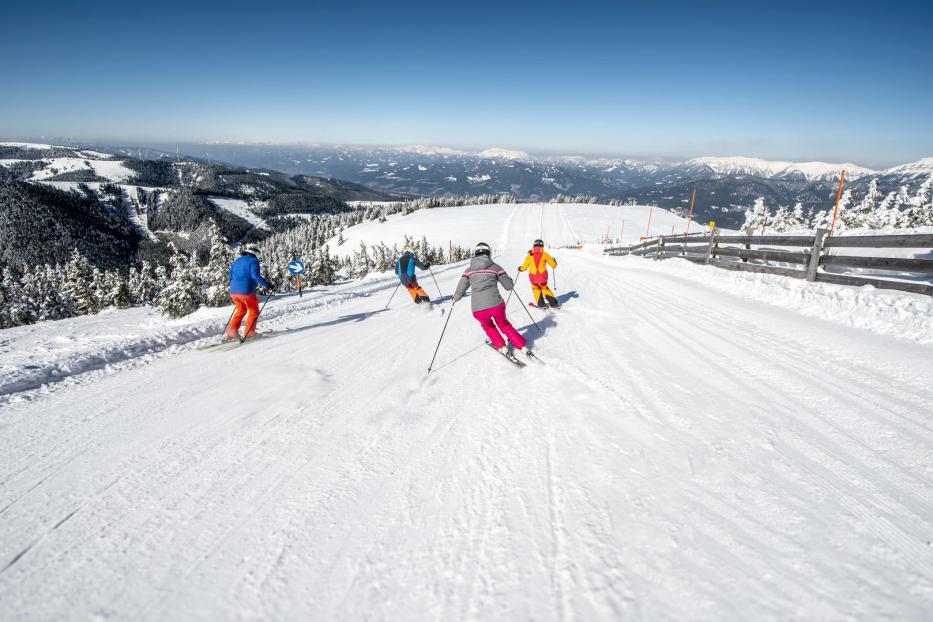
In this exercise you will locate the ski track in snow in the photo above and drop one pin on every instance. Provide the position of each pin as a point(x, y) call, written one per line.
point(681, 453)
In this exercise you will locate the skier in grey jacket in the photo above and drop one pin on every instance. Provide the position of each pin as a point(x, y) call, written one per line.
point(484, 277)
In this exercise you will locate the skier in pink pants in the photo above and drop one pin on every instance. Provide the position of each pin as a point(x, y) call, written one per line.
point(483, 277)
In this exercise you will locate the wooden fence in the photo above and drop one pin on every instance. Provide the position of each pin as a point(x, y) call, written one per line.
point(811, 257)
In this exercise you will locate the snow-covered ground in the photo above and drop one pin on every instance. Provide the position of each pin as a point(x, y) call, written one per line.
point(240, 208)
point(568, 224)
point(692, 448)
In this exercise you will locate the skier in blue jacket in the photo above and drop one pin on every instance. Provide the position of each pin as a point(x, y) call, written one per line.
point(405, 271)
point(244, 278)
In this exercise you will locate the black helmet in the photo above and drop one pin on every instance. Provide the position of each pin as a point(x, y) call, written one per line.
point(481, 249)
point(539, 243)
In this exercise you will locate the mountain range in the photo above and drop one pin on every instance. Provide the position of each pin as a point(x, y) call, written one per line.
point(725, 186)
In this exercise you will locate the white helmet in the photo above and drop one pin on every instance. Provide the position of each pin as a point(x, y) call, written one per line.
point(250, 249)
point(481, 249)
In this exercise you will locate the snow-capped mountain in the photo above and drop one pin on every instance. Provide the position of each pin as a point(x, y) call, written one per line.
point(503, 154)
point(810, 171)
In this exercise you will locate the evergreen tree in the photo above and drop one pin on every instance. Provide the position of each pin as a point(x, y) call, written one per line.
point(77, 287)
point(860, 214)
point(323, 268)
point(757, 216)
point(217, 271)
point(182, 295)
point(17, 310)
point(119, 294)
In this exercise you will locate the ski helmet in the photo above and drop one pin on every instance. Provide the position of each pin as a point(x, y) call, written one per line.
point(481, 249)
point(249, 249)
point(539, 243)
point(408, 248)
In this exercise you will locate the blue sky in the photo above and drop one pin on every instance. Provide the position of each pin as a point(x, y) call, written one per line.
point(832, 81)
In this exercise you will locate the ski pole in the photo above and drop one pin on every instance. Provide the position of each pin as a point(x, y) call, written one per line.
point(555, 278)
point(392, 296)
point(449, 313)
point(512, 291)
point(227, 325)
point(435, 283)
point(256, 319)
point(531, 318)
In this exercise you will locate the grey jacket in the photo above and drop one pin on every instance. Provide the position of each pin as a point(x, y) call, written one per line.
point(484, 276)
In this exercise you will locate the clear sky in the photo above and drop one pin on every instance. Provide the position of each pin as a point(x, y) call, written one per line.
point(840, 81)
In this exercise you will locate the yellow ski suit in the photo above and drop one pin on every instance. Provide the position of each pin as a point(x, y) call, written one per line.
point(536, 263)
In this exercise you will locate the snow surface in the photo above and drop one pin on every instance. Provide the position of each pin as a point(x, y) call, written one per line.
point(570, 224)
point(112, 170)
point(691, 449)
point(240, 208)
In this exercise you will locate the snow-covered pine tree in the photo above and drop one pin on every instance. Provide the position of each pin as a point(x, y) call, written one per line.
point(119, 294)
point(77, 286)
point(217, 271)
point(323, 271)
point(783, 220)
point(18, 311)
point(52, 305)
point(799, 218)
point(757, 215)
point(182, 296)
point(860, 214)
point(6, 301)
point(30, 297)
point(360, 265)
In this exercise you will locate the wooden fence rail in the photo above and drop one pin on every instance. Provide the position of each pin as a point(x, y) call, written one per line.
point(813, 255)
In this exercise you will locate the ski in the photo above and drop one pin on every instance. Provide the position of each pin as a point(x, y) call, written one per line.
point(548, 308)
point(511, 357)
point(229, 345)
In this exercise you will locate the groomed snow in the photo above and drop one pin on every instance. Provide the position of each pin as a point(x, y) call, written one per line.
point(571, 223)
point(689, 450)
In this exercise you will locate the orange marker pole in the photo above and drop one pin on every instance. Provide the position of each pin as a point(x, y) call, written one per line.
point(650, 213)
point(298, 276)
point(690, 215)
point(838, 196)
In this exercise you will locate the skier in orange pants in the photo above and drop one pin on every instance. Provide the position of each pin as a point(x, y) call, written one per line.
point(536, 263)
point(244, 278)
point(405, 270)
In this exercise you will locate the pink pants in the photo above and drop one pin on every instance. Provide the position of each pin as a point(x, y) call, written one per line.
point(495, 317)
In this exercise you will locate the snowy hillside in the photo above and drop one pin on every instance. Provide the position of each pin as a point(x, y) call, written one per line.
point(465, 226)
point(697, 444)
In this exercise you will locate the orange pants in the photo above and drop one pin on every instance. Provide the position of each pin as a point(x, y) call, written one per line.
point(248, 305)
point(417, 293)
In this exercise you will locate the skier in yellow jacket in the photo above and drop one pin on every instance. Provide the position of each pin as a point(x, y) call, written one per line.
point(536, 263)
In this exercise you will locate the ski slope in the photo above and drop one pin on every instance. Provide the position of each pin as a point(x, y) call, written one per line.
point(685, 452)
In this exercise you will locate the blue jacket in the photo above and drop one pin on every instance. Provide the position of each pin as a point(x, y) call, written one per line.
point(244, 275)
point(405, 267)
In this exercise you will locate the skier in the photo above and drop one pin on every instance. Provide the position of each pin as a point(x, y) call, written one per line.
point(405, 269)
point(244, 277)
point(484, 277)
point(536, 263)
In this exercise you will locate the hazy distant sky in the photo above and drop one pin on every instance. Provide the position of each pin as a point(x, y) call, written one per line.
point(840, 81)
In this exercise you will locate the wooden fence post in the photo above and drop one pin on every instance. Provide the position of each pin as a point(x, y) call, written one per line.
point(815, 254)
point(712, 240)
